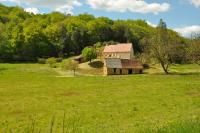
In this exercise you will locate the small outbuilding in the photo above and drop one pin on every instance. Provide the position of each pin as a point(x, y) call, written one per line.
point(116, 66)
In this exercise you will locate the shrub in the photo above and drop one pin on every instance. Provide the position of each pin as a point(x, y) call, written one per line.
point(146, 66)
point(59, 60)
point(98, 45)
point(52, 62)
point(70, 65)
point(41, 60)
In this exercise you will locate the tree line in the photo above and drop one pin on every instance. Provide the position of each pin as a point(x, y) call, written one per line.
point(25, 36)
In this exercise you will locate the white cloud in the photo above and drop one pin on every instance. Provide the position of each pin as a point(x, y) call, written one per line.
point(64, 6)
point(139, 6)
point(185, 31)
point(195, 2)
point(32, 10)
point(188, 30)
point(151, 24)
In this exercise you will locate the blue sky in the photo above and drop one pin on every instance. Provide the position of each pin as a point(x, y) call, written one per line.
point(180, 15)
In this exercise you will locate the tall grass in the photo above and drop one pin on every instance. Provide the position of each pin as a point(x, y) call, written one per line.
point(52, 124)
point(190, 126)
point(74, 126)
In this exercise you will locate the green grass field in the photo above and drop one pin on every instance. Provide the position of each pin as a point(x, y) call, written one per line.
point(36, 98)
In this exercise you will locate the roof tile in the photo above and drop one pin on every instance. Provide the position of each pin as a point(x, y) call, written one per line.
point(122, 47)
point(131, 64)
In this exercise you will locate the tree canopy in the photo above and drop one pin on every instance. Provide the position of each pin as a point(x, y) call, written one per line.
point(89, 53)
point(26, 37)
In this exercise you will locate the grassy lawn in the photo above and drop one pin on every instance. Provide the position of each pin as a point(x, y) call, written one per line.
point(33, 98)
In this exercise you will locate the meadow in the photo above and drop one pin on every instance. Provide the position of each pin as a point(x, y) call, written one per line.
point(36, 98)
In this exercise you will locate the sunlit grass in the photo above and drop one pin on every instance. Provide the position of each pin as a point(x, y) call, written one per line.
point(32, 95)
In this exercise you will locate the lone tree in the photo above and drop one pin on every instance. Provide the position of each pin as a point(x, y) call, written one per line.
point(162, 46)
point(89, 53)
point(162, 24)
point(70, 65)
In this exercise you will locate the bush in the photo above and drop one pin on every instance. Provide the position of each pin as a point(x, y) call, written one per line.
point(146, 66)
point(98, 45)
point(59, 60)
point(41, 60)
point(70, 65)
point(52, 62)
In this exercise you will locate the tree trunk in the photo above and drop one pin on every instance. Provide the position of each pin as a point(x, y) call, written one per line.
point(74, 72)
point(165, 68)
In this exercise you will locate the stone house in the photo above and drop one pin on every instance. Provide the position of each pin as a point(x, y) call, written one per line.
point(119, 60)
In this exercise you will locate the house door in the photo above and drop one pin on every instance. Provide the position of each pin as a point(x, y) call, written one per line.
point(140, 71)
point(121, 71)
point(130, 71)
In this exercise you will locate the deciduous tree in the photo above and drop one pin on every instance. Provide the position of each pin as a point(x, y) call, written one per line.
point(162, 46)
point(70, 65)
point(89, 53)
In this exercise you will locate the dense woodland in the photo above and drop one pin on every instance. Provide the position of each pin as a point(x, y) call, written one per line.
point(27, 37)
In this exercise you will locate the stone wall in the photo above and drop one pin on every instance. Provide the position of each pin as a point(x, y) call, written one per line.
point(124, 71)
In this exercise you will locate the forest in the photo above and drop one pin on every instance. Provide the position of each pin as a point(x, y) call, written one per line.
point(27, 37)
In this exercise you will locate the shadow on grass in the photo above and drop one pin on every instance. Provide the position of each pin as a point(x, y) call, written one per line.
point(185, 73)
point(96, 64)
point(173, 73)
point(3, 69)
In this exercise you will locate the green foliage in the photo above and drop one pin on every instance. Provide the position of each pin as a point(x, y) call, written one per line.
point(164, 46)
point(52, 62)
point(58, 60)
point(162, 24)
point(89, 53)
point(193, 51)
point(99, 30)
point(98, 45)
point(70, 65)
point(6, 51)
point(86, 17)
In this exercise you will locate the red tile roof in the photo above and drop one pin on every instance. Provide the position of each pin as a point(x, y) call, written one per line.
point(131, 64)
point(123, 63)
point(122, 47)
